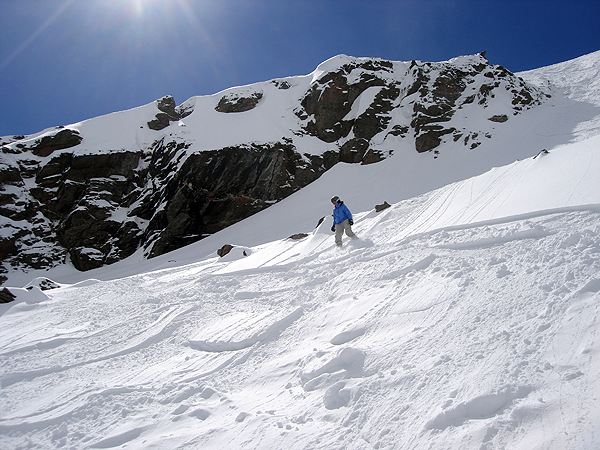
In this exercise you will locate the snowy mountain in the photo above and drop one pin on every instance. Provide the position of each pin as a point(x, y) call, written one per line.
point(162, 176)
point(466, 316)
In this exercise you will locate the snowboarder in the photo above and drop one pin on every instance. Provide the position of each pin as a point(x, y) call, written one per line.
point(342, 221)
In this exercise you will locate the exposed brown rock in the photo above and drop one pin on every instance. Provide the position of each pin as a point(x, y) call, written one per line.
point(6, 296)
point(298, 236)
point(65, 138)
point(384, 205)
point(235, 103)
point(224, 250)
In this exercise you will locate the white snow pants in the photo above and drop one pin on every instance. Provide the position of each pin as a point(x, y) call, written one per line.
point(339, 231)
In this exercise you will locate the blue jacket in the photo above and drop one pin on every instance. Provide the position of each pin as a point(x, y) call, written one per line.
point(341, 213)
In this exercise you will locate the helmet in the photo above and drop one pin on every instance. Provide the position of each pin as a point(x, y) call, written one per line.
point(335, 199)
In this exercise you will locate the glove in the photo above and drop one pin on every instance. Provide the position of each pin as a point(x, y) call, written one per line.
point(333, 228)
point(351, 222)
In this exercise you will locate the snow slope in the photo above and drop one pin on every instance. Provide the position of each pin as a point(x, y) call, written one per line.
point(463, 318)
point(578, 81)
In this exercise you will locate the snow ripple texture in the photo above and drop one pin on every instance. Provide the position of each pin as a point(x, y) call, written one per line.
point(486, 344)
point(463, 318)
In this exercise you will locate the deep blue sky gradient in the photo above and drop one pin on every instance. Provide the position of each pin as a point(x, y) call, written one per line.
point(63, 61)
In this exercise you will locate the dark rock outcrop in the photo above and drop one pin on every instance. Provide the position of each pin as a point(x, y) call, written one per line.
point(434, 92)
point(45, 145)
point(44, 284)
point(298, 236)
point(169, 112)
point(236, 103)
point(65, 138)
point(384, 205)
point(500, 118)
point(214, 189)
point(6, 296)
point(71, 209)
point(224, 250)
point(444, 88)
point(330, 99)
point(97, 209)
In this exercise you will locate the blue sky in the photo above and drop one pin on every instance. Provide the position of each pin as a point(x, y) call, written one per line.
point(63, 61)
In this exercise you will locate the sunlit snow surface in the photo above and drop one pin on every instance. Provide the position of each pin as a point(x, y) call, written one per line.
point(466, 317)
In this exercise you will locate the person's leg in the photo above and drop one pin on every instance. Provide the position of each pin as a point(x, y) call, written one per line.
point(339, 230)
point(348, 229)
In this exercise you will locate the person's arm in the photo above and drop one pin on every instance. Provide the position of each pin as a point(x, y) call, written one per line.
point(348, 213)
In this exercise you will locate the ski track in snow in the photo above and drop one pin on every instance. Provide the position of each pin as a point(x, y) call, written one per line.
point(454, 327)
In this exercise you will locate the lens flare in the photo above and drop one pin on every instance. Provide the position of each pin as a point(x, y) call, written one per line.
point(36, 33)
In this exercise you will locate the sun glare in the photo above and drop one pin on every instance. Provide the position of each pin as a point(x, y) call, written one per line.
point(140, 6)
point(36, 33)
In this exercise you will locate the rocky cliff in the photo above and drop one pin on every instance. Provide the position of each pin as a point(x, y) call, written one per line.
point(162, 176)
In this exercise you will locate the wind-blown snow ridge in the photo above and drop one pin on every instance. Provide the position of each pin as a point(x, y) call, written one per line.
point(579, 81)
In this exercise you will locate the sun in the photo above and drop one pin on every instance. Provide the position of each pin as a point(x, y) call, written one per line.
point(140, 5)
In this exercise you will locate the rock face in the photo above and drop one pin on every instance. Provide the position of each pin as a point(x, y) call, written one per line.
point(331, 99)
point(63, 198)
point(431, 92)
point(6, 296)
point(237, 103)
point(168, 113)
point(214, 189)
